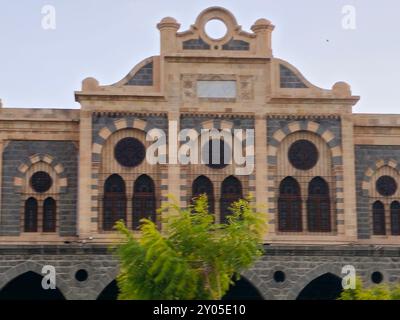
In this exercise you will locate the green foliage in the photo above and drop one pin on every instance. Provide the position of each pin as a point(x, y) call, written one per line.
point(376, 292)
point(193, 257)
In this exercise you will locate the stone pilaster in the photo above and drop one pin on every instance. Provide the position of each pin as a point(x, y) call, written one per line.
point(349, 187)
point(85, 160)
point(261, 169)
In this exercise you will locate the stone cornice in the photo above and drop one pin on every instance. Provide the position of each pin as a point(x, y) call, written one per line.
point(314, 100)
point(116, 114)
point(333, 250)
point(270, 250)
point(110, 96)
point(216, 59)
point(301, 116)
point(218, 115)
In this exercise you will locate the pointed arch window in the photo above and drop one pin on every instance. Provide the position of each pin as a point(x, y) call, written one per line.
point(289, 206)
point(231, 191)
point(144, 200)
point(31, 215)
point(114, 201)
point(395, 217)
point(49, 215)
point(378, 218)
point(318, 206)
point(203, 185)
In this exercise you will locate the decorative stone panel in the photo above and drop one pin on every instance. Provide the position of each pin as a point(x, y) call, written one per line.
point(301, 265)
point(18, 156)
point(289, 79)
point(368, 159)
point(238, 45)
point(144, 77)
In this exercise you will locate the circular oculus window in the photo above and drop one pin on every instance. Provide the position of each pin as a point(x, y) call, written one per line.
point(386, 186)
point(129, 152)
point(215, 29)
point(41, 181)
point(303, 155)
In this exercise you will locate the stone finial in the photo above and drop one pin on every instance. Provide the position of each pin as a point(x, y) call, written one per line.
point(168, 28)
point(341, 89)
point(90, 84)
point(263, 29)
point(168, 22)
point(262, 24)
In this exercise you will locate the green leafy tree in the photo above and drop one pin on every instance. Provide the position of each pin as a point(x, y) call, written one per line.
point(376, 292)
point(193, 257)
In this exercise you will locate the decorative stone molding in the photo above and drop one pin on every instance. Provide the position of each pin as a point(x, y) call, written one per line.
point(244, 87)
point(334, 146)
point(36, 158)
point(107, 131)
point(27, 266)
point(234, 43)
point(365, 182)
point(310, 126)
point(334, 269)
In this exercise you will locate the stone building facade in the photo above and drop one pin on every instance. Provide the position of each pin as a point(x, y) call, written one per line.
point(329, 178)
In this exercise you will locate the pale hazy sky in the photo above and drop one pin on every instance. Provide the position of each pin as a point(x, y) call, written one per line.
point(106, 38)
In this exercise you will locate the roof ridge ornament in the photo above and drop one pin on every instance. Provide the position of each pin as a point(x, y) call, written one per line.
point(198, 42)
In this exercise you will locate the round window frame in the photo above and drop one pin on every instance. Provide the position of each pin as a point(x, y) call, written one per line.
point(34, 185)
point(380, 185)
point(118, 149)
point(216, 39)
point(291, 154)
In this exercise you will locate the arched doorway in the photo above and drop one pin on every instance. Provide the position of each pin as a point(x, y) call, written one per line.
point(325, 287)
point(242, 290)
point(110, 292)
point(28, 286)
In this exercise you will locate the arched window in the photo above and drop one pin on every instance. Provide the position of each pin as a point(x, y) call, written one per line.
point(222, 157)
point(203, 185)
point(231, 191)
point(318, 206)
point(144, 200)
point(289, 206)
point(49, 215)
point(395, 217)
point(31, 215)
point(378, 218)
point(114, 201)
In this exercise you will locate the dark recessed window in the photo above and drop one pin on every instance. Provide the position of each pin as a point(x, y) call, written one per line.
point(218, 155)
point(114, 201)
point(81, 275)
point(129, 152)
point(376, 277)
point(318, 206)
point(41, 181)
point(143, 201)
point(49, 215)
point(31, 215)
point(289, 206)
point(279, 276)
point(303, 155)
point(378, 218)
point(231, 191)
point(395, 217)
point(203, 185)
point(386, 186)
